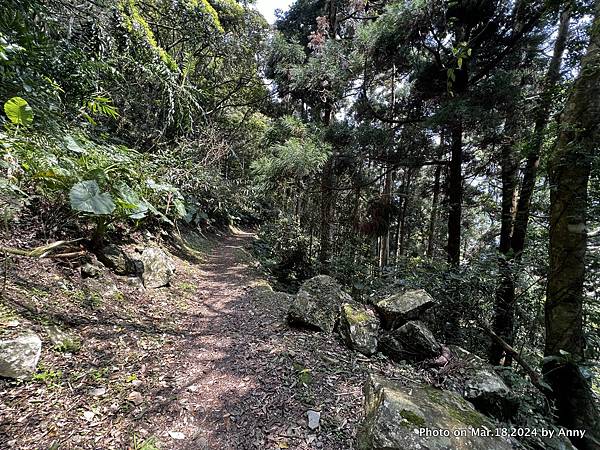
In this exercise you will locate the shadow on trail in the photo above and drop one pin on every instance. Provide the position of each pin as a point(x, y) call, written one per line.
point(224, 370)
point(236, 382)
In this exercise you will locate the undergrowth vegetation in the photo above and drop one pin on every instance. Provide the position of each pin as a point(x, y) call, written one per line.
point(117, 121)
point(102, 182)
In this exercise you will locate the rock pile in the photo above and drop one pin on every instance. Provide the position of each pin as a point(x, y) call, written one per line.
point(396, 415)
point(391, 325)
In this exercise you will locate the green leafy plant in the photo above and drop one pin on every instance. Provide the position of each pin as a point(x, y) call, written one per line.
point(85, 196)
point(147, 444)
point(99, 374)
point(102, 182)
point(303, 373)
point(98, 105)
point(47, 375)
point(68, 346)
point(18, 111)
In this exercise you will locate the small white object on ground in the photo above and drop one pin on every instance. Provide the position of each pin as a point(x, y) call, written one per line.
point(314, 417)
point(177, 435)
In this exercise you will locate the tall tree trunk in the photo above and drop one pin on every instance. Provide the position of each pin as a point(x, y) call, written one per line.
point(399, 222)
point(355, 222)
point(327, 179)
point(434, 211)
point(396, 239)
point(410, 174)
point(455, 193)
point(503, 323)
point(542, 114)
point(515, 217)
point(569, 176)
point(326, 210)
point(384, 243)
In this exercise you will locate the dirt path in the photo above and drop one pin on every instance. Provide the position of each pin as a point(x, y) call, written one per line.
point(239, 376)
point(208, 363)
point(217, 365)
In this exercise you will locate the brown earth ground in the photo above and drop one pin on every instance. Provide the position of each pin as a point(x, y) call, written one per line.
point(207, 363)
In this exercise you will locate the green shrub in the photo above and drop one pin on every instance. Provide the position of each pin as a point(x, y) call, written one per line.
point(102, 182)
point(285, 251)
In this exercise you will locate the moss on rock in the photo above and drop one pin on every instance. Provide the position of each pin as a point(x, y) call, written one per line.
point(359, 327)
point(354, 315)
point(412, 418)
point(393, 413)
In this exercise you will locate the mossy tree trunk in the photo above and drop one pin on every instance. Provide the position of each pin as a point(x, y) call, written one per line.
point(515, 215)
point(569, 176)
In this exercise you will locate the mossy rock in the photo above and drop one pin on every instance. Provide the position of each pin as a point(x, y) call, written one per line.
point(399, 417)
point(413, 341)
point(355, 314)
point(399, 308)
point(359, 327)
point(317, 304)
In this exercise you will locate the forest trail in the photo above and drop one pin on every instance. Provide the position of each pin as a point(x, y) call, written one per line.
point(236, 367)
point(394, 145)
point(207, 363)
point(214, 360)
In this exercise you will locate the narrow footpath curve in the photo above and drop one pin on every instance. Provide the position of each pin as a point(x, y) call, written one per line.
point(238, 378)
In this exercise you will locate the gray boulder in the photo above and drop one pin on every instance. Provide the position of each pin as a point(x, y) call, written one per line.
point(482, 386)
point(359, 327)
point(158, 268)
point(19, 356)
point(412, 342)
point(421, 417)
point(116, 259)
point(89, 270)
point(317, 304)
point(402, 307)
